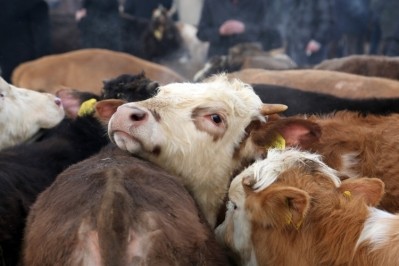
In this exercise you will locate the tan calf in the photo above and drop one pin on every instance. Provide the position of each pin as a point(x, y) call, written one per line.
point(292, 209)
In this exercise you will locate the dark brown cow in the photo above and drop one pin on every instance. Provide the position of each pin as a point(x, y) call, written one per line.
point(365, 65)
point(115, 209)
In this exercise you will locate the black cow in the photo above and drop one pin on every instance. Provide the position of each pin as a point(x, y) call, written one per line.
point(129, 87)
point(27, 169)
point(304, 102)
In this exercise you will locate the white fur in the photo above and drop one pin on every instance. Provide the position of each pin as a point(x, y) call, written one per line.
point(377, 228)
point(236, 222)
point(205, 164)
point(23, 112)
point(349, 161)
point(267, 171)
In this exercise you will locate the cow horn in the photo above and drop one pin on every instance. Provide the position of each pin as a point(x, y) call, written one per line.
point(269, 109)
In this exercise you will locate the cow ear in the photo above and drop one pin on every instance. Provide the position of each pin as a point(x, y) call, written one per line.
point(278, 207)
point(106, 108)
point(152, 87)
point(299, 132)
point(370, 189)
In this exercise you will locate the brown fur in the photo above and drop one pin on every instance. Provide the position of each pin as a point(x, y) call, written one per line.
point(372, 139)
point(365, 65)
point(115, 209)
point(331, 82)
point(325, 223)
point(86, 69)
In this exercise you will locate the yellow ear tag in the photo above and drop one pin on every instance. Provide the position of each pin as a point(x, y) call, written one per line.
point(87, 107)
point(278, 143)
point(347, 194)
point(158, 34)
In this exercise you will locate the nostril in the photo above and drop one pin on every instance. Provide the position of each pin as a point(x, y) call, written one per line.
point(58, 101)
point(137, 116)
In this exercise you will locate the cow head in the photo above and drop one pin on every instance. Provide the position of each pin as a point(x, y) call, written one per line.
point(196, 131)
point(276, 200)
point(129, 87)
point(23, 112)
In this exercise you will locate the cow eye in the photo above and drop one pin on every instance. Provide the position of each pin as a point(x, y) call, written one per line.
point(231, 205)
point(216, 118)
point(1, 95)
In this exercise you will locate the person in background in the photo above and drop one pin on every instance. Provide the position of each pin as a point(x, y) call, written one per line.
point(225, 23)
point(309, 31)
point(352, 26)
point(387, 12)
point(135, 18)
point(25, 33)
point(99, 24)
point(65, 35)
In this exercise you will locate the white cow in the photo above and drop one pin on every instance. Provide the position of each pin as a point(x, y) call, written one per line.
point(23, 112)
point(198, 131)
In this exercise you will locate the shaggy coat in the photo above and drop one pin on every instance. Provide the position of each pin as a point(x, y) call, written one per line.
point(292, 209)
point(354, 145)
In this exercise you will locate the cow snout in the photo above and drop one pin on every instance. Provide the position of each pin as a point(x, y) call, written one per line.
point(132, 115)
point(138, 115)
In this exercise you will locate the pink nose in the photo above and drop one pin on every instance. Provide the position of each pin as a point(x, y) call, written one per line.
point(131, 115)
point(137, 115)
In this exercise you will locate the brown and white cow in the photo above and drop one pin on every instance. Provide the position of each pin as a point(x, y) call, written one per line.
point(292, 209)
point(86, 69)
point(195, 131)
point(24, 112)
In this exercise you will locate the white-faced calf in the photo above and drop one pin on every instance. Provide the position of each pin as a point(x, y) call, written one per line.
point(199, 132)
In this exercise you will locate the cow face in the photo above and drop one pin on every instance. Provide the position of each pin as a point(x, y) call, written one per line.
point(192, 130)
point(272, 200)
point(23, 112)
point(258, 198)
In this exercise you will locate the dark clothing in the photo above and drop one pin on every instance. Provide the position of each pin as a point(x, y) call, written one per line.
point(309, 20)
point(143, 9)
point(139, 13)
point(351, 29)
point(100, 28)
point(24, 31)
point(391, 47)
point(215, 13)
point(387, 13)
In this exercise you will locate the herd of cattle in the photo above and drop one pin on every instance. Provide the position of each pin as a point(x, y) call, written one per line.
point(254, 167)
